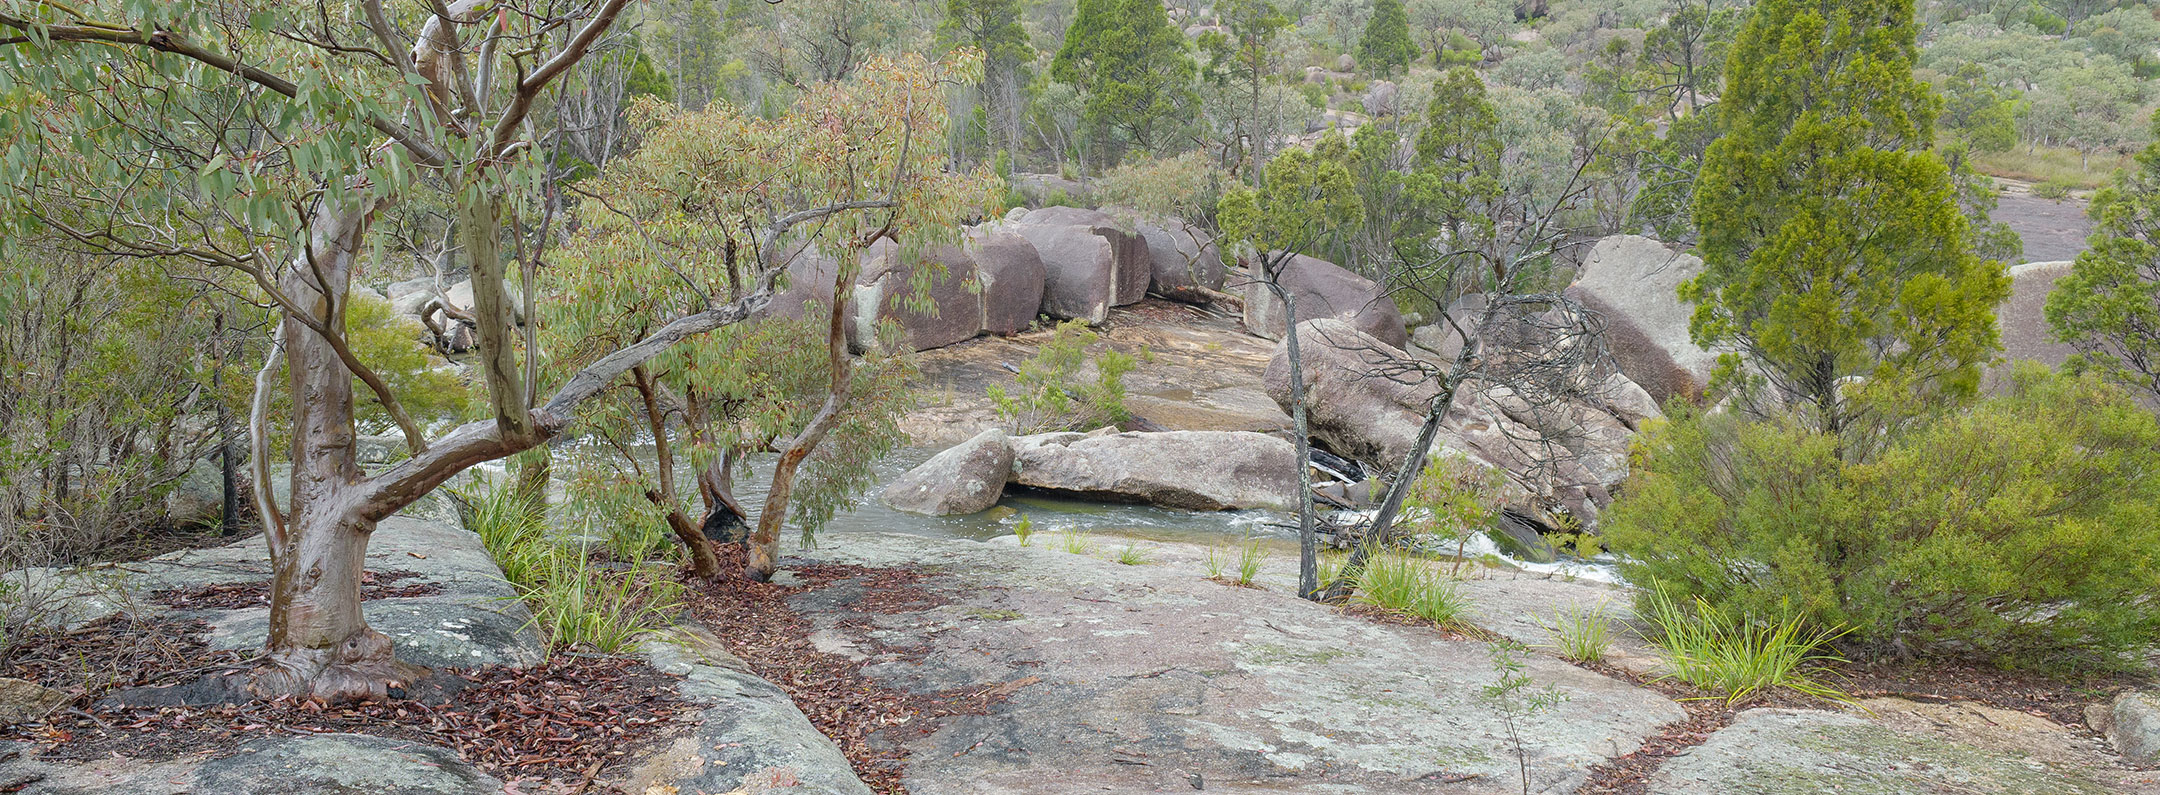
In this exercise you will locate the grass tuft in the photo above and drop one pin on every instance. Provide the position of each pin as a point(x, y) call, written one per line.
point(1216, 561)
point(1736, 658)
point(1074, 543)
point(1024, 530)
point(574, 603)
point(1250, 554)
point(605, 610)
point(1132, 555)
point(1581, 635)
point(1403, 583)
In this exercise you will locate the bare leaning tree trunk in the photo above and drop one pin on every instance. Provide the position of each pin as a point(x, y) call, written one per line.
point(1271, 267)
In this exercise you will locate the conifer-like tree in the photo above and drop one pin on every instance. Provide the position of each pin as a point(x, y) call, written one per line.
point(1832, 242)
point(2109, 304)
point(1134, 67)
point(1386, 48)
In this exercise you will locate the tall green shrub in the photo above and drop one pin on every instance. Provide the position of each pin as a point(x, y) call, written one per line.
point(1832, 242)
point(2024, 530)
point(1386, 48)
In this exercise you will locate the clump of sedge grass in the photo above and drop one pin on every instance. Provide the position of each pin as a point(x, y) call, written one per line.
point(1024, 530)
point(1736, 657)
point(574, 603)
point(605, 610)
point(1250, 554)
point(1402, 583)
point(1132, 555)
point(1073, 542)
point(1579, 634)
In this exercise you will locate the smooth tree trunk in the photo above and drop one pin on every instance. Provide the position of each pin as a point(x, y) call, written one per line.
point(703, 562)
point(764, 551)
point(319, 644)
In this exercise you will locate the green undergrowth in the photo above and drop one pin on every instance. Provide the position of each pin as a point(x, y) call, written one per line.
point(1736, 657)
point(577, 601)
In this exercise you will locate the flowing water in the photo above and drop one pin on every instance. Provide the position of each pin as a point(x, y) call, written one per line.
point(1049, 513)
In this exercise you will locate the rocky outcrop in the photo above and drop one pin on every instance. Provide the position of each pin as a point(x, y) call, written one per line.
point(1012, 279)
point(1361, 403)
point(406, 297)
point(1324, 290)
point(2134, 726)
point(1148, 678)
point(809, 279)
point(966, 478)
point(1382, 98)
point(1634, 282)
point(991, 282)
point(2023, 321)
point(748, 734)
point(22, 701)
point(1803, 750)
point(1192, 470)
point(1185, 263)
point(476, 618)
point(1090, 261)
point(198, 496)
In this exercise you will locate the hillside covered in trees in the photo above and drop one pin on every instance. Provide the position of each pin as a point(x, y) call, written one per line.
point(925, 396)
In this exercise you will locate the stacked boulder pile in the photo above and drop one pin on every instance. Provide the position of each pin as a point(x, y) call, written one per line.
point(1066, 263)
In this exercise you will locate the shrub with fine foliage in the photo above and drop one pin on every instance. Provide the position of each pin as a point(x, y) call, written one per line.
point(2024, 530)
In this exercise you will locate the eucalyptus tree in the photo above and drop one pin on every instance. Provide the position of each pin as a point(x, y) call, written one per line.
point(267, 139)
point(1244, 56)
point(690, 220)
point(994, 28)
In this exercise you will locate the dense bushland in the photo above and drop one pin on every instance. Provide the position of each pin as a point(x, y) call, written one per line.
point(2024, 530)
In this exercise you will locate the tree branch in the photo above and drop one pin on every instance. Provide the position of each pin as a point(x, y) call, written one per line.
point(529, 87)
point(480, 441)
point(172, 42)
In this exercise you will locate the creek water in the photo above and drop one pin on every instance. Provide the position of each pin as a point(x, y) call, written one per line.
point(1049, 513)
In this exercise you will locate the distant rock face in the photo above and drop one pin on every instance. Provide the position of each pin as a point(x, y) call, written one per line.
point(1193, 470)
point(198, 497)
point(966, 478)
point(1090, 261)
point(1047, 189)
point(810, 276)
point(1323, 289)
point(2023, 318)
point(887, 285)
point(1012, 279)
point(1634, 282)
